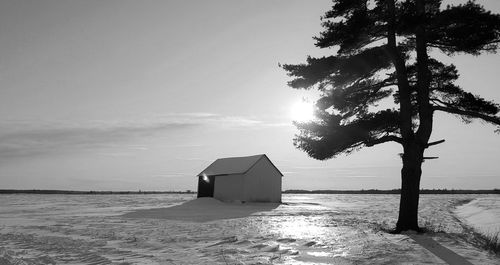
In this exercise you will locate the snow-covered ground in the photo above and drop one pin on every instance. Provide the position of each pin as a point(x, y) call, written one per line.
point(482, 214)
point(306, 229)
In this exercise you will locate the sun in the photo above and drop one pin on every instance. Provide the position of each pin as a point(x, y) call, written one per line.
point(302, 111)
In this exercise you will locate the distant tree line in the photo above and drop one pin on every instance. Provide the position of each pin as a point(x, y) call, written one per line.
point(293, 191)
point(393, 191)
point(35, 191)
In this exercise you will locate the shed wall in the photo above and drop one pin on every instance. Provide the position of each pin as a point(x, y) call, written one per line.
point(263, 183)
point(229, 187)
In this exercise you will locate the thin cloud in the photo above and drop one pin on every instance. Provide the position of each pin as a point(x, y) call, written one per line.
point(173, 175)
point(47, 140)
point(33, 138)
point(116, 154)
point(211, 119)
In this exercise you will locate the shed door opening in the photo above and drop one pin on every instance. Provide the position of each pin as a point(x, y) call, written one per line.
point(206, 186)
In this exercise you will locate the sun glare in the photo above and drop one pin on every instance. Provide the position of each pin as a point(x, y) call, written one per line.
point(302, 111)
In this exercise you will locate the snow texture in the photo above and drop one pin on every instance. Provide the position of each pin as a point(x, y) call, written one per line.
point(482, 214)
point(179, 229)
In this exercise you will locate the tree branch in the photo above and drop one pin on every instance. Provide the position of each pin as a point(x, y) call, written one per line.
point(375, 87)
point(384, 139)
point(443, 45)
point(440, 101)
point(492, 119)
point(434, 143)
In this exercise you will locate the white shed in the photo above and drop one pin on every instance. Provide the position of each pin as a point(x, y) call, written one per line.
point(249, 179)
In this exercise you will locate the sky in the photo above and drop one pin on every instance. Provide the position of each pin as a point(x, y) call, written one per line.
point(143, 95)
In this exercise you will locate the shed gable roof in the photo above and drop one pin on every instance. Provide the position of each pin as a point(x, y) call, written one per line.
point(234, 165)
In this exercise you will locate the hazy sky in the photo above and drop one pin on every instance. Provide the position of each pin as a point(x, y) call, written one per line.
point(129, 95)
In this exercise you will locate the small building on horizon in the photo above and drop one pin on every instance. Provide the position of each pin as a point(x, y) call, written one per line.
point(247, 179)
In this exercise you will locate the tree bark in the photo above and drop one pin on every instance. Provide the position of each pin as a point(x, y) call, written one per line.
point(405, 105)
point(424, 76)
point(410, 188)
point(413, 144)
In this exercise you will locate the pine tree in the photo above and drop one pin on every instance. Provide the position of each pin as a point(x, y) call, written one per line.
point(384, 49)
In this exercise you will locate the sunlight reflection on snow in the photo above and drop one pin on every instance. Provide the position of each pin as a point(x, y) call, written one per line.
point(341, 254)
point(318, 253)
point(301, 228)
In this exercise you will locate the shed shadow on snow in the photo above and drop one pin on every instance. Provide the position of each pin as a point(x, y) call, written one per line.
point(203, 210)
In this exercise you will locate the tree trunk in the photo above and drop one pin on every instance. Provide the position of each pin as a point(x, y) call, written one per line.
point(410, 188)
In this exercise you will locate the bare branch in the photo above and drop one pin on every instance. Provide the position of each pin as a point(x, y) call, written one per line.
point(434, 143)
point(492, 119)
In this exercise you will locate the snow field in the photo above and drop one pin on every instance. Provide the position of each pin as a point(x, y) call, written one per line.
point(482, 214)
point(142, 229)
